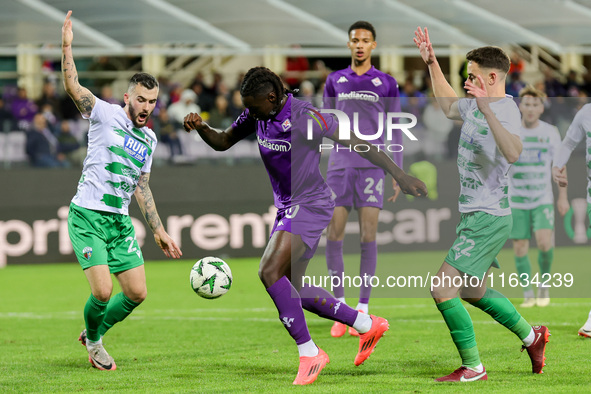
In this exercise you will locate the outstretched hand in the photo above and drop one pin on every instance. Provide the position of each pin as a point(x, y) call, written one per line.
point(559, 176)
point(168, 246)
point(396, 189)
point(413, 186)
point(193, 122)
point(67, 34)
point(423, 42)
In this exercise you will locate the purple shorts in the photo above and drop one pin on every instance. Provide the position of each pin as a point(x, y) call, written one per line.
point(357, 187)
point(306, 221)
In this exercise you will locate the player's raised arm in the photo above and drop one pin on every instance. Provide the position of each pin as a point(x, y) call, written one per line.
point(82, 97)
point(442, 90)
point(218, 139)
point(408, 184)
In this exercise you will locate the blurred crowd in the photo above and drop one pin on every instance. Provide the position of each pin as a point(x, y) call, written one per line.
point(56, 133)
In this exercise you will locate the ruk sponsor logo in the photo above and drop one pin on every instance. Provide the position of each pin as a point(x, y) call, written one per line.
point(344, 131)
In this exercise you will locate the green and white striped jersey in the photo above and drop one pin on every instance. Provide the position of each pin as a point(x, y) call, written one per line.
point(530, 177)
point(118, 153)
point(483, 169)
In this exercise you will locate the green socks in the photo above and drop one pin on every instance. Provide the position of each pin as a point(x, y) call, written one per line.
point(503, 311)
point(461, 329)
point(94, 314)
point(545, 261)
point(118, 309)
point(523, 267)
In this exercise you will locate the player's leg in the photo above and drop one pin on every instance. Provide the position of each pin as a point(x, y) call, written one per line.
point(523, 266)
point(543, 224)
point(368, 225)
point(275, 273)
point(133, 293)
point(503, 311)
point(340, 182)
point(444, 291)
point(86, 229)
point(127, 264)
point(521, 234)
point(335, 233)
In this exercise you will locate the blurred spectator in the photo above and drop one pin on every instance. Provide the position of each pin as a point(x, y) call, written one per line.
point(103, 63)
point(107, 95)
point(552, 85)
point(23, 109)
point(68, 147)
point(6, 119)
point(49, 96)
point(205, 97)
point(572, 87)
point(42, 145)
point(51, 118)
point(175, 93)
point(235, 106)
point(517, 64)
point(219, 116)
point(294, 66)
point(168, 132)
point(307, 92)
point(515, 84)
point(411, 99)
point(187, 103)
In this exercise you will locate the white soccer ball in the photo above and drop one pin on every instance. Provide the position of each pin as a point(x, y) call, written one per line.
point(211, 277)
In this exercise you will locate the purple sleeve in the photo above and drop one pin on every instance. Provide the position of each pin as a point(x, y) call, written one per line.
point(394, 96)
point(244, 122)
point(328, 94)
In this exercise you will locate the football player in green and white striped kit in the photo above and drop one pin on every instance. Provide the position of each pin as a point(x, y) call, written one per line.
point(530, 195)
point(117, 166)
point(489, 142)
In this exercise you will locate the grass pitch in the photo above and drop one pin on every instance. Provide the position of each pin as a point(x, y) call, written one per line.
point(178, 342)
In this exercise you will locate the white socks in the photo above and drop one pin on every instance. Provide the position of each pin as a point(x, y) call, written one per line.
point(363, 307)
point(528, 340)
point(308, 349)
point(362, 323)
point(478, 369)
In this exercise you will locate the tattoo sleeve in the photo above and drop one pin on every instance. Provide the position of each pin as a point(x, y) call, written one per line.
point(82, 97)
point(146, 202)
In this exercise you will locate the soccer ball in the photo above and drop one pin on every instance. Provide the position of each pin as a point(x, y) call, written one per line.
point(211, 277)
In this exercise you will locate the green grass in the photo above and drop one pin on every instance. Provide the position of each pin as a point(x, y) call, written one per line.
point(178, 342)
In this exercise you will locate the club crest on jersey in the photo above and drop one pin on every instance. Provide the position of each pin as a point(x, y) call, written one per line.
point(286, 125)
point(376, 81)
point(135, 149)
point(87, 252)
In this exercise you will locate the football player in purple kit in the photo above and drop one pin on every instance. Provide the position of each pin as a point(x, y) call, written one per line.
point(291, 156)
point(357, 183)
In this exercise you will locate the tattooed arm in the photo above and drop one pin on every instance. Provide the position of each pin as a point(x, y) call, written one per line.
point(145, 200)
point(82, 97)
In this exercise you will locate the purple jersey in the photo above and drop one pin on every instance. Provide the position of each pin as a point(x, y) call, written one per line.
point(368, 95)
point(291, 159)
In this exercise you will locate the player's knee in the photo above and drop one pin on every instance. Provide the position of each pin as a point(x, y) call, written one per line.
point(268, 275)
point(102, 294)
point(368, 237)
point(138, 295)
point(545, 245)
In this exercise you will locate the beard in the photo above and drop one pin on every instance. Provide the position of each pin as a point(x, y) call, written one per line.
point(135, 118)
